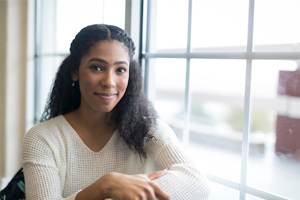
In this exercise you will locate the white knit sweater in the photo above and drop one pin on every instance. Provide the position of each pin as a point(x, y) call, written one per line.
point(57, 164)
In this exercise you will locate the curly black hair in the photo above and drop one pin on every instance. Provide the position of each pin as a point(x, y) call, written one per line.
point(133, 115)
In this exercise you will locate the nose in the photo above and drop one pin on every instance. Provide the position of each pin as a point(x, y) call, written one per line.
point(108, 79)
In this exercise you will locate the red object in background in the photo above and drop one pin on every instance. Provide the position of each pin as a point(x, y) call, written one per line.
point(288, 128)
point(289, 83)
point(287, 134)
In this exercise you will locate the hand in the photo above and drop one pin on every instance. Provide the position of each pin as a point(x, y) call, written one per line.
point(132, 187)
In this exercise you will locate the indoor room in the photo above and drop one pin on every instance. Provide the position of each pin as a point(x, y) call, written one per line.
point(223, 74)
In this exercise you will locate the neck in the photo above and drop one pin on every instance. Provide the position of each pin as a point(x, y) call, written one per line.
point(91, 128)
point(92, 121)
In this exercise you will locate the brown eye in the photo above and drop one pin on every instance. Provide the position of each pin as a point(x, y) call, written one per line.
point(96, 68)
point(121, 70)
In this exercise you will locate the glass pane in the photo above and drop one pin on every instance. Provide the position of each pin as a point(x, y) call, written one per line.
point(70, 21)
point(60, 22)
point(167, 89)
point(276, 25)
point(114, 12)
point(216, 115)
point(168, 25)
point(46, 75)
point(251, 197)
point(46, 27)
point(219, 192)
point(274, 160)
point(218, 26)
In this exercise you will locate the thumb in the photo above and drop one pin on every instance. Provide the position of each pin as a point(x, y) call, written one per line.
point(156, 175)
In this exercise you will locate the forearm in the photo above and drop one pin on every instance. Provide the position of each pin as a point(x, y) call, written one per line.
point(184, 182)
point(92, 192)
point(121, 186)
point(99, 190)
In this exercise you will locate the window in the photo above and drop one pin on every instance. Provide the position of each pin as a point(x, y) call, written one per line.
point(224, 75)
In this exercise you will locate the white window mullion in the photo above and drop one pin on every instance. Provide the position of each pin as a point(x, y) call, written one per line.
point(263, 194)
point(147, 33)
point(37, 60)
point(186, 105)
point(229, 55)
point(247, 104)
point(187, 79)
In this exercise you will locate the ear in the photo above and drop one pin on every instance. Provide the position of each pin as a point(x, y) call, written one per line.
point(75, 76)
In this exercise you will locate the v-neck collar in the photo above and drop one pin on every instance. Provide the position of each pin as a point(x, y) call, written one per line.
point(111, 139)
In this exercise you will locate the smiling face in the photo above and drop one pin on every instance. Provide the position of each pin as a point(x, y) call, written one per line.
point(103, 76)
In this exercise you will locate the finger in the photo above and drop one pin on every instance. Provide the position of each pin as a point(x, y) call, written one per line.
point(160, 194)
point(150, 193)
point(155, 175)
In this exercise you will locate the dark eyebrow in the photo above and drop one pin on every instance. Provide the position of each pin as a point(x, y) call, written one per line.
point(105, 62)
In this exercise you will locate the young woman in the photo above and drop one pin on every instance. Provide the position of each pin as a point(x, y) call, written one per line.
point(100, 137)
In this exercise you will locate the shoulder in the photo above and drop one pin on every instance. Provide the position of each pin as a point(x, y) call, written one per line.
point(163, 135)
point(43, 128)
point(44, 141)
point(162, 131)
point(46, 133)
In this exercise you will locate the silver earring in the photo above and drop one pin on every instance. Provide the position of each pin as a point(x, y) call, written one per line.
point(73, 83)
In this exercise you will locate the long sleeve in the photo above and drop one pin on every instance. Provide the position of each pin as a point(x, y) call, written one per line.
point(184, 180)
point(40, 162)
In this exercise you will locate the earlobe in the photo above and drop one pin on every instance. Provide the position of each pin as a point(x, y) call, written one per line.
point(75, 76)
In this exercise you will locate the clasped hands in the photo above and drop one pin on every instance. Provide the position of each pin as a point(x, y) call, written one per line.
point(119, 186)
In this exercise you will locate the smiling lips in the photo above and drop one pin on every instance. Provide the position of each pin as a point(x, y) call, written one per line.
point(106, 96)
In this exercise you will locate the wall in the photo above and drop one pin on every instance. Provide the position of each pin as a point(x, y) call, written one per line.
point(13, 73)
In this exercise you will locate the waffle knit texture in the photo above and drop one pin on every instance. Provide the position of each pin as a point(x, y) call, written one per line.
point(57, 164)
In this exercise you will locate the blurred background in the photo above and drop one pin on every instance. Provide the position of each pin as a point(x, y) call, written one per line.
point(224, 74)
